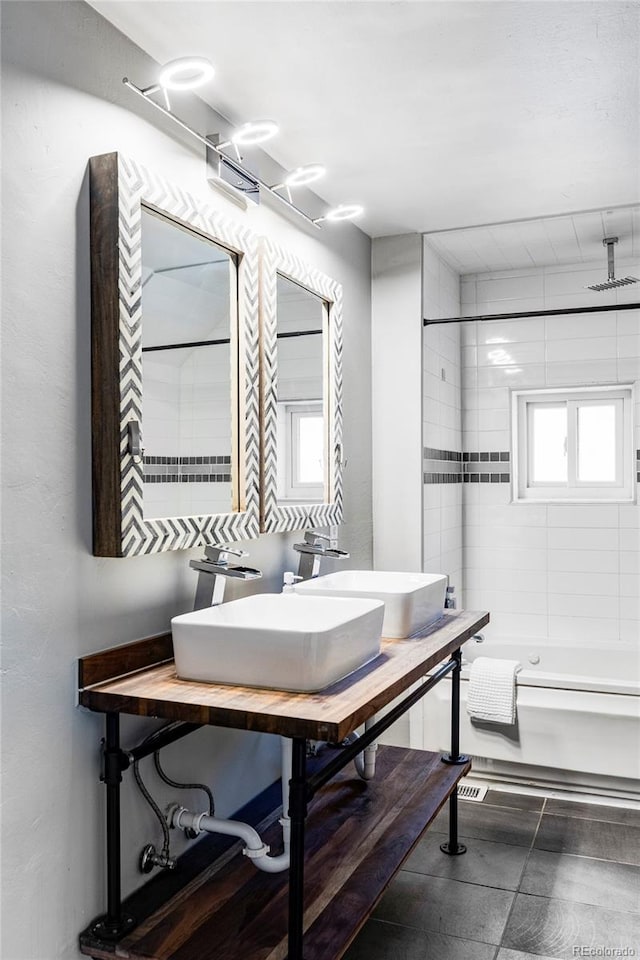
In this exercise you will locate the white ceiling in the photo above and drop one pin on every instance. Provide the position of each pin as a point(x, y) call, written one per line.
point(432, 113)
point(551, 241)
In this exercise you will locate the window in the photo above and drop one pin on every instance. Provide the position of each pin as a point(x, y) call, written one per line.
point(301, 468)
point(573, 444)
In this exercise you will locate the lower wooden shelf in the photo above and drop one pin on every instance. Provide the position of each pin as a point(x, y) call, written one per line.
point(357, 837)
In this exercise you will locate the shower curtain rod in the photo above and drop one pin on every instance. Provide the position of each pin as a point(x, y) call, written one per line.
point(214, 343)
point(522, 314)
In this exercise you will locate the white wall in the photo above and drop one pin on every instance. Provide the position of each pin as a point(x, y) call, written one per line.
point(396, 323)
point(442, 421)
point(556, 572)
point(416, 404)
point(63, 101)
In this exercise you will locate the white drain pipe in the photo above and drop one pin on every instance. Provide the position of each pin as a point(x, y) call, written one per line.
point(365, 762)
point(255, 848)
point(287, 773)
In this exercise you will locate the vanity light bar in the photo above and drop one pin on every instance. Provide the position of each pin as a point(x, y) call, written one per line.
point(246, 134)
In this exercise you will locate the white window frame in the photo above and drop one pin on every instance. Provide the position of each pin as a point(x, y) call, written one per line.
point(620, 490)
point(289, 413)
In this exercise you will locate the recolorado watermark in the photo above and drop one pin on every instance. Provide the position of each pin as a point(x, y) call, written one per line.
point(585, 951)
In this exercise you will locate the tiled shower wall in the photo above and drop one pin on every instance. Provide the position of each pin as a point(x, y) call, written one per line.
point(187, 422)
point(441, 422)
point(557, 572)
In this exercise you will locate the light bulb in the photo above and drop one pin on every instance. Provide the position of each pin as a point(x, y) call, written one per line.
point(344, 211)
point(255, 131)
point(186, 73)
point(302, 176)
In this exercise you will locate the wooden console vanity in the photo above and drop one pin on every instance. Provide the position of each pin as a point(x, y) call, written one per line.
point(348, 838)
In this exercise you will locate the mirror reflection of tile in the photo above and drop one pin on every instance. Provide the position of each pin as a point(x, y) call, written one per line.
point(187, 370)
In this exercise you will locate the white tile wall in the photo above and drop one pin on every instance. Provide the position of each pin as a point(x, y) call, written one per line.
point(161, 411)
point(565, 572)
point(442, 416)
point(187, 413)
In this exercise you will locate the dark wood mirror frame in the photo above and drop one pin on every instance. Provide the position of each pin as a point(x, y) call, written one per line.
point(119, 188)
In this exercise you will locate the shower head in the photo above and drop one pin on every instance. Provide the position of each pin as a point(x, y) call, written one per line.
point(611, 283)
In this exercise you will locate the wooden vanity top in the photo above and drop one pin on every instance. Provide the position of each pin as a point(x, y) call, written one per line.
point(130, 679)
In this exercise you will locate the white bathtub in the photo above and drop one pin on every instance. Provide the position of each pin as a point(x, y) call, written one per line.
point(578, 717)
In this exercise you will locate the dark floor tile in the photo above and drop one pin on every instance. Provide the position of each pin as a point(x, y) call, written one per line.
point(387, 941)
point(485, 822)
point(593, 811)
point(557, 928)
point(521, 801)
point(489, 864)
point(517, 955)
point(462, 910)
point(589, 838)
point(583, 880)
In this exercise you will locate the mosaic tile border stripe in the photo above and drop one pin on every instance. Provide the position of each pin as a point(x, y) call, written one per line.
point(477, 466)
point(487, 478)
point(442, 477)
point(180, 469)
point(483, 466)
point(431, 453)
point(487, 456)
point(186, 460)
point(187, 478)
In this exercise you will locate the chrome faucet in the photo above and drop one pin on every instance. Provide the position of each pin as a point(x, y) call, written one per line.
point(314, 547)
point(213, 570)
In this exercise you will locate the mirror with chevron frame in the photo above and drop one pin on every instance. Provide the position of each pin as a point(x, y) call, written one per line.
point(175, 404)
point(301, 391)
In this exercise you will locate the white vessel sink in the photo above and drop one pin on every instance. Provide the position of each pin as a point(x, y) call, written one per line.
point(282, 641)
point(412, 601)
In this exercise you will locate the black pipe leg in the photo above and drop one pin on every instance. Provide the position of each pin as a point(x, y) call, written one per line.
point(298, 814)
point(455, 758)
point(451, 846)
point(115, 923)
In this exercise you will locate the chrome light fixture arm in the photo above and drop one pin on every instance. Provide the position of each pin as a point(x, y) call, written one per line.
point(299, 177)
point(210, 144)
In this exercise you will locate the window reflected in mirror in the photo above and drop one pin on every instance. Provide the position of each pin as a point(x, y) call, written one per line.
point(189, 360)
point(301, 394)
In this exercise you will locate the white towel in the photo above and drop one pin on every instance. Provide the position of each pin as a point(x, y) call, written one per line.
point(492, 690)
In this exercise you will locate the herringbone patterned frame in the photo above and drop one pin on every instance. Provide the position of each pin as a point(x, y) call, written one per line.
point(277, 517)
point(135, 187)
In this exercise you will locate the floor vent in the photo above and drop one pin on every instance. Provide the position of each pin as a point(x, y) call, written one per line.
point(468, 792)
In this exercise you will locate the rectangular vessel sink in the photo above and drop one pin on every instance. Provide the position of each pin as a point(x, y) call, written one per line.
point(412, 601)
point(282, 641)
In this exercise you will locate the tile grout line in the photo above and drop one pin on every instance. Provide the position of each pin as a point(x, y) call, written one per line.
point(524, 868)
point(577, 903)
point(470, 883)
point(586, 856)
point(573, 816)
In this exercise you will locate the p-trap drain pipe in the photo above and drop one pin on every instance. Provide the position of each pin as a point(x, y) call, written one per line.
point(254, 848)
